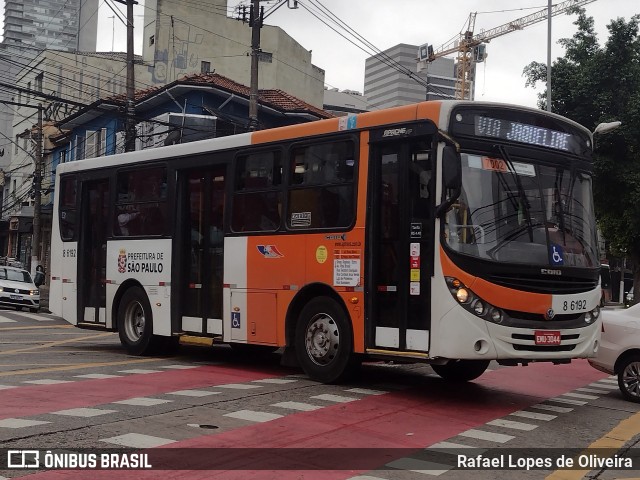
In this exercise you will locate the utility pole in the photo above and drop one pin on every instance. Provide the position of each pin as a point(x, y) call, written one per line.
point(37, 204)
point(549, 9)
point(255, 21)
point(130, 111)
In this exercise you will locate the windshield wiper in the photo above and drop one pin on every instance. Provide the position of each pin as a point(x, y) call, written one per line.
point(521, 194)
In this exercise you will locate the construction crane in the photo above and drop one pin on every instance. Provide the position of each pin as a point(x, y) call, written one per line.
point(470, 49)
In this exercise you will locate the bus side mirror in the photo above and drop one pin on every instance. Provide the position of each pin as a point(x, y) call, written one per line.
point(451, 177)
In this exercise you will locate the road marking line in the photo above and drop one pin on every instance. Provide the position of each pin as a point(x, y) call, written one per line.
point(605, 385)
point(276, 381)
point(366, 391)
point(365, 477)
point(193, 393)
point(614, 439)
point(592, 390)
point(419, 466)
point(238, 386)
point(32, 327)
point(451, 445)
point(142, 401)
point(78, 366)
point(253, 416)
point(567, 401)
point(303, 407)
point(19, 423)
point(180, 367)
point(83, 412)
point(47, 381)
point(7, 320)
point(580, 395)
point(609, 380)
point(139, 371)
point(97, 376)
point(137, 440)
point(334, 398)
point(552, 408)
point(533, 415)
point(6, 387)
point(511, 424)
point(488, 436)
point(55, 344)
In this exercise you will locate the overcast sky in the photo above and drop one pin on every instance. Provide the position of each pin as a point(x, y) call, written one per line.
point(385, 23)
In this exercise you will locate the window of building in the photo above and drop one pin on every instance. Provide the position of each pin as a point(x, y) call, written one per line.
point(39, 79)
point(141, 202)
point(257, 201)
point(95, 143)
point(67, 192)
point(205, 67)
point(321, 193)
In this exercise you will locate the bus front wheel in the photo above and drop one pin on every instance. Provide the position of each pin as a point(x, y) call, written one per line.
point(461, 370)
point(323, 341)
point(135, 322)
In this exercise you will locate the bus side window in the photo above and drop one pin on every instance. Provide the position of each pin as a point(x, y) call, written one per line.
point(257, 198)
point(67, 208)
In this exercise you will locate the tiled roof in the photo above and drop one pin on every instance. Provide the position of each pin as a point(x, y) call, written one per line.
point(277, 99)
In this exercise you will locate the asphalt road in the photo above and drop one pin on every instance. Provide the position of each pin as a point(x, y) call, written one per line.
point(213, 413)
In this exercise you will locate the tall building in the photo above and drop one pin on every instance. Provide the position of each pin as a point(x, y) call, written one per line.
point(57, 24)
point(385, 86)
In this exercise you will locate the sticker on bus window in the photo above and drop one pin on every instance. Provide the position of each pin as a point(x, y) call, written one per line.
point(414, 288)
point(301, 219)
point(346, 272)
point(496, 164)
point(235, 319)
point(348, 122)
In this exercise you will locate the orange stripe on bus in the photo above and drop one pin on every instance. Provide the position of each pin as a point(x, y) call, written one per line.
point(502, 297)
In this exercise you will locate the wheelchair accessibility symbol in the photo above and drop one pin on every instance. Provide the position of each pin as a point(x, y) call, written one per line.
point(556, 255)
point(235, 319)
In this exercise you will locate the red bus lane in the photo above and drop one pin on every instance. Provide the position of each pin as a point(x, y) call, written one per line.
point(396, 423)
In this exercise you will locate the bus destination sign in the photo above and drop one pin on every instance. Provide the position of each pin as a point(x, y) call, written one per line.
point(521, 132)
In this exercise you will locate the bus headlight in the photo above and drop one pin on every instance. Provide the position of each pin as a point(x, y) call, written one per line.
point(462, 295)
point(478, 308)
point(588, 317)
point(472, 303)
point(496, 315)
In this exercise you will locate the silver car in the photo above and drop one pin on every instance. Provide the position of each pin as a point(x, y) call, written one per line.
point(619, 350)
point(18, 290)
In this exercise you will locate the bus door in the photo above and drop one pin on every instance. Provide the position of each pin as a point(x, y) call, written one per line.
point(400, 238)
point(202, 194)
point(92, 251)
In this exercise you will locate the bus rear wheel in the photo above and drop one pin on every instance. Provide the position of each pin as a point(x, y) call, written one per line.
point(461, 370)
point(324, 342)
point(135, 322)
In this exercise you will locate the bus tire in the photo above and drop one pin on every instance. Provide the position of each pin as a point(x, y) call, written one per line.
point(135, 322)
point(461, 370)
point(324, 341)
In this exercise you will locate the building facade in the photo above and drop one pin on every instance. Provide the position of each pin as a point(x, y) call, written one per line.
point(344, 102)
point(385, 86)
point(70, 25)
point(189, 37)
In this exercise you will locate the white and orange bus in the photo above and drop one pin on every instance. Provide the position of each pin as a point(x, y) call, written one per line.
point(450, 232)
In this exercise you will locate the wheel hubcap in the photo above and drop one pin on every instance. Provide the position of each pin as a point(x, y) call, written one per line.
point(322, 339)
point(134, 321)
point(631, 379)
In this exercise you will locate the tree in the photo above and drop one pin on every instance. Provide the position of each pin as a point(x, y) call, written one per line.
point(593, 84)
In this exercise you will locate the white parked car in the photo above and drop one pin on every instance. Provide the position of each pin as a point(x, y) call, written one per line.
point(18, 290)
point(619, 350)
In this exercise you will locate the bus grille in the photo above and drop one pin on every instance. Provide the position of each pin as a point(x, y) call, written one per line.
point(538, 317)
point(560, 285)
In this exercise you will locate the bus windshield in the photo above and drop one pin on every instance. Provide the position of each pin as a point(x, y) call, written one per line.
point(523, 212)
